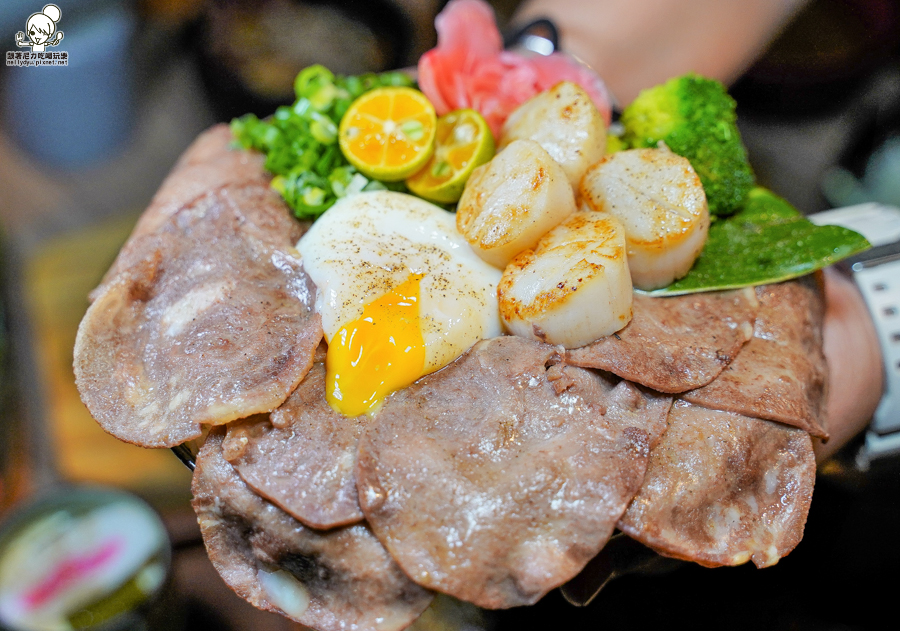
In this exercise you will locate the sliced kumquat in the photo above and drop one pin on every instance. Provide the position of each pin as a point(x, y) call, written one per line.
point(388, 133)
point(463, 141)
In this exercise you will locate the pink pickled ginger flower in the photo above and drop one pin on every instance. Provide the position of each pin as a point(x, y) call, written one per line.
point(469, 68)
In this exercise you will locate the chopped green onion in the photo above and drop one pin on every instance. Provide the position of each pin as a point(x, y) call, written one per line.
point(313, 196)
point(301, 107)
point(357, 183)
point(300, 140)
point(313, 79)
point(340, 179)
point(323, 129)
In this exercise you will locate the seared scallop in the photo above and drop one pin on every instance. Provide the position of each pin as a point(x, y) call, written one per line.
point(574, 287)
point(566, 123)
point(660, 201)
point(512, 201)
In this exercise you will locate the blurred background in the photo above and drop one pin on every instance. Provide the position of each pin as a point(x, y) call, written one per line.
point(84, 147)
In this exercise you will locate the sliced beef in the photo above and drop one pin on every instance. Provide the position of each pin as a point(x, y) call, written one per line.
point(210, 323)
point(675, 344)
point(499, 477)
point(781, 373)
point(209, 165)
point(330, 581)
point(635, 406)
point(303, 456)
point(257, 210)
point(722, 489)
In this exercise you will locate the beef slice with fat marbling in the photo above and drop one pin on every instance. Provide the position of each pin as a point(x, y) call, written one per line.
point(302, 457)
point(210, 323)
point(499, 477)
point(330, 581)
point(677, 343)
point(722, 489)
point(780, 374)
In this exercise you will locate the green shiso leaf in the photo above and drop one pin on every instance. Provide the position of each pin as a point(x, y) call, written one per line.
point(768, 241)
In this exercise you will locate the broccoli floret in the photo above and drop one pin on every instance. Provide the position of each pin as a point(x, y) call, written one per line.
point(695, 117)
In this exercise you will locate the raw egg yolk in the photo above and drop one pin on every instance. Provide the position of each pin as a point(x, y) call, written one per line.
point(378, 353)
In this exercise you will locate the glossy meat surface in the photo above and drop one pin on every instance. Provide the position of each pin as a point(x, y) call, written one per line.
point(207, 165)
point(675, 344)
point(781, 373)
point(209, 323)
point(499, 477)
point(722, 489)
point(303, 456)
point(337, 580)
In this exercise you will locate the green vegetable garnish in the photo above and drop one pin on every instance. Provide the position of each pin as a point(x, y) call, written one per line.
point(768, 241)
point(695, 117)
point(300, 141)
point(614, 143)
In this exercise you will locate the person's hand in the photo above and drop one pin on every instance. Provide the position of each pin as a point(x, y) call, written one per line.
point(855, 372)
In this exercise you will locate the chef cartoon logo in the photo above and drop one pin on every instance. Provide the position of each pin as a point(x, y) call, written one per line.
point(40, 33)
